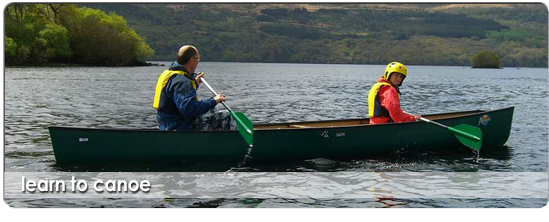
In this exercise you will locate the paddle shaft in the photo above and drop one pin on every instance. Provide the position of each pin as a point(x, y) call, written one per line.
point(226, 107)
point(213, 91)
point(451, 129)
point(429, 121)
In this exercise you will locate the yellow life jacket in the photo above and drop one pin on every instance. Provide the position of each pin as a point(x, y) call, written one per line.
point(374, 106)
point(163, 80)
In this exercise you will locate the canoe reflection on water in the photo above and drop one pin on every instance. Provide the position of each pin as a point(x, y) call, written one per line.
point(280, 143)
point(399, 161)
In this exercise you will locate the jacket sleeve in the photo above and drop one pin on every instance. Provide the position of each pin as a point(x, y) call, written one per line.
point(391, 102)
point(184, 95)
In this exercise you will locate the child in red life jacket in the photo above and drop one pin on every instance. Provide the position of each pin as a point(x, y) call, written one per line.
point(384, 97)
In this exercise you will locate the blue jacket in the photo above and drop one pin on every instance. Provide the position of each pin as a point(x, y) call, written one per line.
point(179, 106)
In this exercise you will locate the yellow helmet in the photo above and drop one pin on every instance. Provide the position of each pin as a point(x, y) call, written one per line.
point(395, 67)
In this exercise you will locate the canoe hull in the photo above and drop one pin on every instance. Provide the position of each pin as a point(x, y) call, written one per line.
point(337, 142)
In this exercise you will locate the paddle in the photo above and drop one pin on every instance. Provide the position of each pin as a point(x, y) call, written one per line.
point(245, 126)
point(468, 135)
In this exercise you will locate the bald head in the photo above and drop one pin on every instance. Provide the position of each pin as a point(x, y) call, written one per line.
point(185, 54)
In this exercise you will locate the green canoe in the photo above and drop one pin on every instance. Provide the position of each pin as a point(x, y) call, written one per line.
point(334, 139)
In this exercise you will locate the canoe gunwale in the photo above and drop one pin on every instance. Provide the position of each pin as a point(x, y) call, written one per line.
point(464, 114)
point(455, 115)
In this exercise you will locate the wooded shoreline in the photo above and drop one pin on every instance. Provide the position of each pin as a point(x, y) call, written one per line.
point(415, 34)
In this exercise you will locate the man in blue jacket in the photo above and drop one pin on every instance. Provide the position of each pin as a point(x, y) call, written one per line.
point(176, 101)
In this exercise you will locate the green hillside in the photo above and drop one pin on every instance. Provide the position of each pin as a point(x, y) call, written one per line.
point(426, 34)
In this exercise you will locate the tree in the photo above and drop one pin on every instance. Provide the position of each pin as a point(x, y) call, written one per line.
point(101, 39)
point(56, 9)
point(10, 46)
point(229, 56)
point(486, 59)
point(38, 34)
point(53, 43)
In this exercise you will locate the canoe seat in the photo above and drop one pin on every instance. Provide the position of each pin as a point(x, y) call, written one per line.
point(298, 126)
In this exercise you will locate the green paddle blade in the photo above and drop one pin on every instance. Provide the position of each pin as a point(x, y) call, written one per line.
point(468, 135)
point(245, 127)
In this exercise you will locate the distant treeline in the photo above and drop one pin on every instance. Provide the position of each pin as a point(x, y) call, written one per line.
point(423, 34)
point(43, 34)
point(403, 23)
point(343, 33)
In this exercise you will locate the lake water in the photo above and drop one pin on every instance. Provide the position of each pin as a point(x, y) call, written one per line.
point(121, 97)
